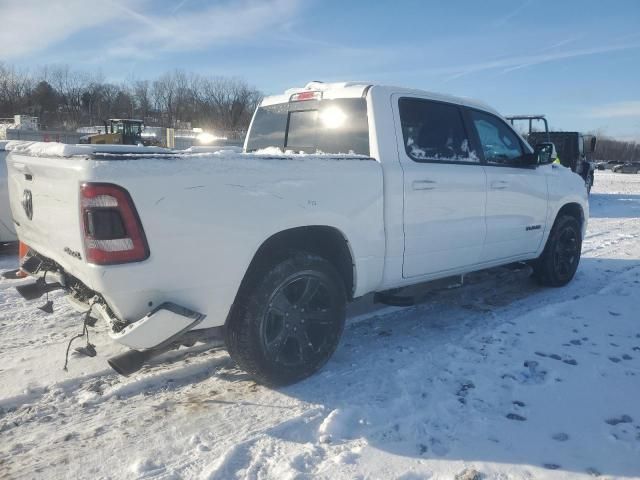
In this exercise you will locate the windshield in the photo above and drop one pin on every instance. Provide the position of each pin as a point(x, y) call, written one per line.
point(129, 128)
point(327, 126)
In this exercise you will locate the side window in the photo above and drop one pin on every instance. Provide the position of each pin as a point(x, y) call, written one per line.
point(500, 144)
point(434, 131)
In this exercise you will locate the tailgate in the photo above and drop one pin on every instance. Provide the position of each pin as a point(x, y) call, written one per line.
point(43, 193)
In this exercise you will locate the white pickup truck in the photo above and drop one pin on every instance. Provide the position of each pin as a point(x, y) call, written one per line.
point(342, 190)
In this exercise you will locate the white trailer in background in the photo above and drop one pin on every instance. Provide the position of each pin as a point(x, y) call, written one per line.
point(7, 231)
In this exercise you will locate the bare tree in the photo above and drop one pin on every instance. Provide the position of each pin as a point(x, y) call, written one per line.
point(610, 149)
point(65, 98)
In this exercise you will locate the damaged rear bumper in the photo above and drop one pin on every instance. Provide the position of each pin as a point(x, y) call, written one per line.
point(165, 323)
point(161, 325)
point(163, 328)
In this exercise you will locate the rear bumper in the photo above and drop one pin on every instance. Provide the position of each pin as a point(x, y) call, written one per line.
point(159, 327)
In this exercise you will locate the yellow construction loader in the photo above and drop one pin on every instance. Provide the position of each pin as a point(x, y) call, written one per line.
point(118, 131)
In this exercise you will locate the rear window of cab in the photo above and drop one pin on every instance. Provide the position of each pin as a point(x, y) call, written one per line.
point(312, 126)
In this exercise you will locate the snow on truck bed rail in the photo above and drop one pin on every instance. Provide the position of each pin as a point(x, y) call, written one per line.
point(130, 152)
point(54, 149)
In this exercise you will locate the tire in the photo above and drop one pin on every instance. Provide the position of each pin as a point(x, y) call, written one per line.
point(559, 261)
point(288, 318)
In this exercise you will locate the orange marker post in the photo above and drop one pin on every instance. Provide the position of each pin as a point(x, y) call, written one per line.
point(23, 249)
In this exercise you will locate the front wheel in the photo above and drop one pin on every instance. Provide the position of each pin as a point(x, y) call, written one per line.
point(288, 319)
point(559, 261)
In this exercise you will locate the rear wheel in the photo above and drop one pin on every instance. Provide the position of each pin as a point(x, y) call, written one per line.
point(559, 261)
point(288, 319)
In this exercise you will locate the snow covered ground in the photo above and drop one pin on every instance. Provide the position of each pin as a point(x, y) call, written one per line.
point(497, 379)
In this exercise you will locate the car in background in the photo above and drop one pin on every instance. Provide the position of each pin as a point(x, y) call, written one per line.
point(611, 164)
point(627, 168)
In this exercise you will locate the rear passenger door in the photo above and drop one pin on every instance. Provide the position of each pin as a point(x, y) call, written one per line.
point(444, 187)
point(516, 195)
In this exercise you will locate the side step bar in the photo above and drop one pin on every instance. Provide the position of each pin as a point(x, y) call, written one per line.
point(388, 298)
point(393, 298)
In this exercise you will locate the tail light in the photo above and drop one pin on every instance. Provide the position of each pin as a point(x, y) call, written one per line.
point(302, 96)
point(111, 226)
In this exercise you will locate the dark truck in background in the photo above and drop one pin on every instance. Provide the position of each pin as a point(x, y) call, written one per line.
point(574, 149)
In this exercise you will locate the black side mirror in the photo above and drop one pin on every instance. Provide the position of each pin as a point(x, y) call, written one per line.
point(545, 153)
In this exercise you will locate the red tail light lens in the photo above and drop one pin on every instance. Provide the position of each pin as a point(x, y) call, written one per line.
point(111, 226)
point(302, 96)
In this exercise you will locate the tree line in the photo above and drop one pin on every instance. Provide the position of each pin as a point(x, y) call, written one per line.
point(66, 99)
point(608, 149)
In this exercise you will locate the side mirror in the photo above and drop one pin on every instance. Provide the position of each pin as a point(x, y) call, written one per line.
point(545, 153)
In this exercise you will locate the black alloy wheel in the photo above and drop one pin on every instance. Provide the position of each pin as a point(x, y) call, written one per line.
point(288, 318)
point(300, 321)
point(559, 261)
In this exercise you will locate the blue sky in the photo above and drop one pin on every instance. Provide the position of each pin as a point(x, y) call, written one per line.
point(576, 61)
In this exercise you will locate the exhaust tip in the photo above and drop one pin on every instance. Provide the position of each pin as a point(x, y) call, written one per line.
point(128, 362)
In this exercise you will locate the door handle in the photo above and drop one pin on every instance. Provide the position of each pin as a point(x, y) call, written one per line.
point(499, 185)
point(424, 185)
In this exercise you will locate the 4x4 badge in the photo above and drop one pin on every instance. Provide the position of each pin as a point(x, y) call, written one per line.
point(27, 204)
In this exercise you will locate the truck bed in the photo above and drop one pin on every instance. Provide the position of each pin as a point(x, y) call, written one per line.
point(201, 212)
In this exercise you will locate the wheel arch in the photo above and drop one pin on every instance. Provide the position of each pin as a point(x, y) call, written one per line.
point(573, 209)
point(325, 241)
point(544, 266)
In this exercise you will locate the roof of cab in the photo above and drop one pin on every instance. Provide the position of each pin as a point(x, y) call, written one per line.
point(358, 89)
point(329, 91)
